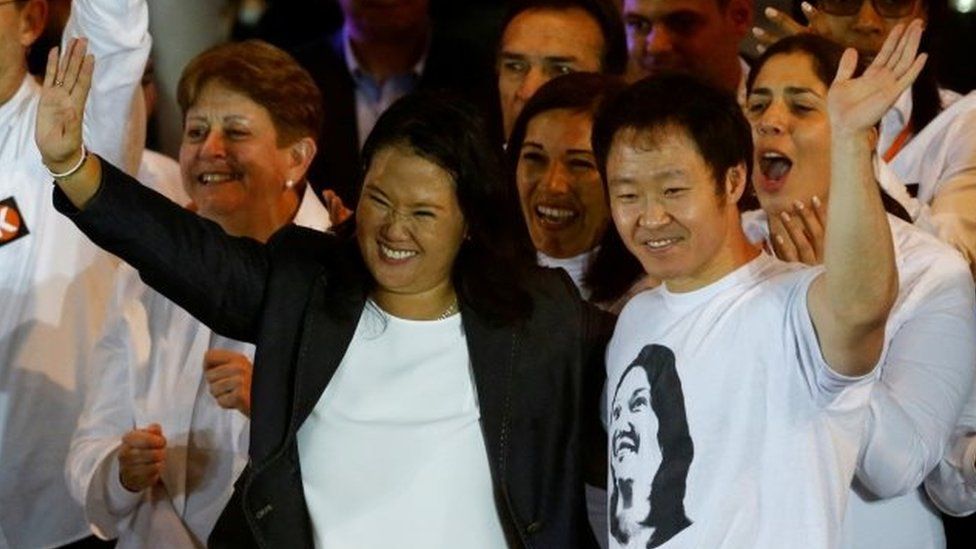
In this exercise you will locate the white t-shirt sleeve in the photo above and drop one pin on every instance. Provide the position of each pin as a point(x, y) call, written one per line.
point(824, 383)
point(925, 381)
point(952, 484)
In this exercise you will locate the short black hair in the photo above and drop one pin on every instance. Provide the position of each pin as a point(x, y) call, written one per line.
point(497, 252)
point(711, 117)
point(604, 12)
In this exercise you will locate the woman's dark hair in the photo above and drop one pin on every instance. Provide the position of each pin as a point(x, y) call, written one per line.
point(613, 269)
point(604, 12)
point(926, 100)
point(497, 251)
point(583, 92)
point(667, 510)
point(825, 57)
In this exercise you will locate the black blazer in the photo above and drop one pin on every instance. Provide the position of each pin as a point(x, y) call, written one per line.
point(537, 381)
point(452, 64)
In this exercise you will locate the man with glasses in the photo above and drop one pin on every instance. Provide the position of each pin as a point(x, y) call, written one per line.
point(54, 284)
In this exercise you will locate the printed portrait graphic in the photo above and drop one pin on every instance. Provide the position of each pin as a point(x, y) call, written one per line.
point(651, 452)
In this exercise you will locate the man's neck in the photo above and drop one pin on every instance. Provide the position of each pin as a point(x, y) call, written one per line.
point(735, 252)
point(383, 59)
point(10, 82)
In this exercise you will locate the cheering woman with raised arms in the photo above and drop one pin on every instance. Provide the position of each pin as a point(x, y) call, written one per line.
point(417, 382)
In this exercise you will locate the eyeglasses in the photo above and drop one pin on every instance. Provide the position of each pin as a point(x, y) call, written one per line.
point(885, 8)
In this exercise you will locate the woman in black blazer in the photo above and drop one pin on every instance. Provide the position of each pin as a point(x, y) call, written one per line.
point(437, 231)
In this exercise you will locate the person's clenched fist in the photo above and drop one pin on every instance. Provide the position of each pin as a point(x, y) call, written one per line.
point(142, 457)
point(229, 376)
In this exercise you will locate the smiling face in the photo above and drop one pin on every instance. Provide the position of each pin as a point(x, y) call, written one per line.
point(866, 30)
point(787, 109)
point(667, 209)
point(559, 185)
point(233, 168)
point(635, 449)
point(694, 36)
point(409, 224)
point(539, 45)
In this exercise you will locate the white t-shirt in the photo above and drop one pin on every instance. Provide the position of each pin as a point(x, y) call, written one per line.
point(54, 283)
point(574, 266)
point(757, 439)
point(393, 453)
point(923, 383)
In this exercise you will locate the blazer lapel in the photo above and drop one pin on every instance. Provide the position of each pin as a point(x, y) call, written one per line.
point(492, 350)
point(324, 341)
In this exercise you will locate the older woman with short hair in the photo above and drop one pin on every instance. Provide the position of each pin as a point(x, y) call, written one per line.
point(163, 435)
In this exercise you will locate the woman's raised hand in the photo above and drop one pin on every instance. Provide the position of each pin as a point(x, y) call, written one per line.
point(62, 106)
point(857, 104)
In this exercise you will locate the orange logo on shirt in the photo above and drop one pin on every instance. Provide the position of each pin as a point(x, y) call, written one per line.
point(12, 224)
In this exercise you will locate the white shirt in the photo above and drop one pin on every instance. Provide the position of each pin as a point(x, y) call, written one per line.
point(147, 368)
point(393, 455)
point(574, 266)
point(54, 283)
point(923, 382)
point(774, 432)
point(941, 160)
point(372, 97)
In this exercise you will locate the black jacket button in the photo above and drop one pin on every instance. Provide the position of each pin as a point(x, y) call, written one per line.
point(534, 527)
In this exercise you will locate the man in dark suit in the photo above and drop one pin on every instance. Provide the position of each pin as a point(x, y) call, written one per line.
point(381, 53)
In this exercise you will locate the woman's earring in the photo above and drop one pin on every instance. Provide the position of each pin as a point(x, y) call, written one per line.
point(289, 184)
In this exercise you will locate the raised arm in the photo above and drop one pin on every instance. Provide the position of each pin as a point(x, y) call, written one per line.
point(217, 278)
point(118, 36)
point(850, 302)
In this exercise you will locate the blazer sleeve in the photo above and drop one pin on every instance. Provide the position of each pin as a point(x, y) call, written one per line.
point(217, 278)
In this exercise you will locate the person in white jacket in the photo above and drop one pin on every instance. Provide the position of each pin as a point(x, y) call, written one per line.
point(163, 434)
point(54, 284)
point(928, 369)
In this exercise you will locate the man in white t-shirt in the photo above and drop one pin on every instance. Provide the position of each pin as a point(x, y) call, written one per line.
point(767, 366)
point(54, 283)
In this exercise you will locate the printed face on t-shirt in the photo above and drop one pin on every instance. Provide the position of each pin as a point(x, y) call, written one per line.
point(635, 448)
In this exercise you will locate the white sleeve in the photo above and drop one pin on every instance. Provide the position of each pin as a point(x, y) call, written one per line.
point(118, 35)
point(952, 485)
point(825, 385)
point(107, 415)
point(924, 382)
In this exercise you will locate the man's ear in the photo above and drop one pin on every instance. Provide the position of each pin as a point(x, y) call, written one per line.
point(740, 14)
point(300, 156)
point(736, 182)
point(33, 18)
